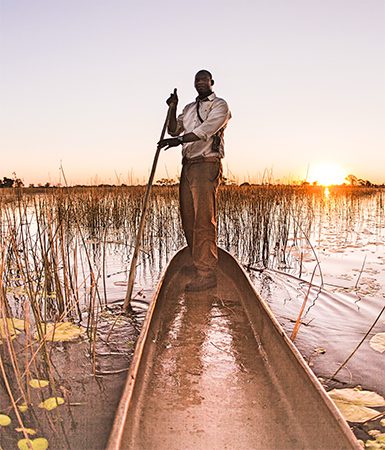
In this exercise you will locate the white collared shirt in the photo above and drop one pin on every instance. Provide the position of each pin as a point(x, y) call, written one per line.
point(215, 114)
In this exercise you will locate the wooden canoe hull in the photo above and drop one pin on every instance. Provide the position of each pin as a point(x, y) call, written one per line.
point(215, 370)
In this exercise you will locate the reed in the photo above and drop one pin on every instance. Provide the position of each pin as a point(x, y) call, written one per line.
point(55, 245)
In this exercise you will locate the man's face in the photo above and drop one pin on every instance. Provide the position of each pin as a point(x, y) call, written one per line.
point(203, 83)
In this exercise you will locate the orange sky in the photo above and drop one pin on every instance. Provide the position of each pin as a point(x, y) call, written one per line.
point(85, 83)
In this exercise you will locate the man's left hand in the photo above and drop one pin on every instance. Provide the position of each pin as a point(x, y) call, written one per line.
point(167, 143)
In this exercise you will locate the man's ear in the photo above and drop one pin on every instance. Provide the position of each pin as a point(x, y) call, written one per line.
point(212, 82)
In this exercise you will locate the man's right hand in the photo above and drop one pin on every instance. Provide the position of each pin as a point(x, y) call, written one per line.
point(169, 142)
point(173, 99)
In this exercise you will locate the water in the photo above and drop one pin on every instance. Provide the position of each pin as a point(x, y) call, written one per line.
point(74, 255)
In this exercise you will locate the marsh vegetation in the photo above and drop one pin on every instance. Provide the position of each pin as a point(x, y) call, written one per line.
point(64, 259)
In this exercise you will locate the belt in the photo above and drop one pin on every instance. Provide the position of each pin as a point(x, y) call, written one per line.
point(200, 159)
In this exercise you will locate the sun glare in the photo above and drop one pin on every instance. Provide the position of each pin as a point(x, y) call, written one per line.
point(327, 174)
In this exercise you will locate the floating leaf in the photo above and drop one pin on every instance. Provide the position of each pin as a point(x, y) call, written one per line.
point(355, 413)
point(378, 444)
point(61, 331)
point(51, 403)
point(11, 324)
point(19, 324)
point(374, 433)
point(26, 430)
point(357, 397)
point(37, 384)
point(23, 407)
point(353, 403)
point(373, 445)
point(36, 444)
point(377, 342)
point(4, 420)
point(12, 337)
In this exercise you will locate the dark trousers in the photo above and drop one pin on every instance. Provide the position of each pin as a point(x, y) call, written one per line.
point(197, 194)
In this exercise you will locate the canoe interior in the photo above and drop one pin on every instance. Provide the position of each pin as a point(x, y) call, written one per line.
point(215, 371)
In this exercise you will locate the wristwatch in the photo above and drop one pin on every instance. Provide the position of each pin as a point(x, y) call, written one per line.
point(180, 139)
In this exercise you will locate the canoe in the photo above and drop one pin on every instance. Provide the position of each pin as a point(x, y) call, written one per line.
point(215, 370)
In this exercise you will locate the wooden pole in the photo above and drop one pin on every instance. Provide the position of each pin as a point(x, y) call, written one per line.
point(131, 278)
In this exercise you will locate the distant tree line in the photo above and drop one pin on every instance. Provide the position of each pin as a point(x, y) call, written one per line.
point(351, 180)
point(355, 181)
point(11, 182)
point(16, 182)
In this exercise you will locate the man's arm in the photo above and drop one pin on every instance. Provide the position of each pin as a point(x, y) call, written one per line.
point(174, 142)
point(172, 124)
point(172, 102)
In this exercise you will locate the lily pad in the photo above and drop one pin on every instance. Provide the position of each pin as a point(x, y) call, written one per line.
point(357, 397)
point(19, 324)
point(373, 445)
point(353, 403)
point(51, 403)
point(4, 420)
point(37, 384)
point(377, 444)
point(377, 342)
point(12, 337)
point(30, 431)
point(61, 331)
point(374, 433)
point(23, 407)
point(355, 413)
point(13, 325)
point(36, 444)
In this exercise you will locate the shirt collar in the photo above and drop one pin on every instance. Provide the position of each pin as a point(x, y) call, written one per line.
point(206, 99)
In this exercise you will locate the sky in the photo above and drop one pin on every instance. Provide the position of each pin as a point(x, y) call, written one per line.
point(83, 85)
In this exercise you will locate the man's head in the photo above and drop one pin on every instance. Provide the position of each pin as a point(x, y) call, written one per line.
point(203, 83)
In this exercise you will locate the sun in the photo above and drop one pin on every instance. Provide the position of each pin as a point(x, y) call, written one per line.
point(327, 174)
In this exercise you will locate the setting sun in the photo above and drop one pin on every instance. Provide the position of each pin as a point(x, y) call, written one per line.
point(327, 174)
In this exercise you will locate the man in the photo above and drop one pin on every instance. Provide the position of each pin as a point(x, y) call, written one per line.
point(200, 131)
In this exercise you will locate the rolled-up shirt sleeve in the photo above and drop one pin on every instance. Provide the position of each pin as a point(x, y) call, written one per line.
point(216, 119)
point(179, 126)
